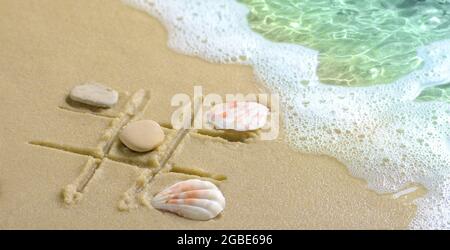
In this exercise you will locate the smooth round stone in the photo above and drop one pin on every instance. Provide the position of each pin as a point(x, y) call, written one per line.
point(94, 94)
point(142, 136)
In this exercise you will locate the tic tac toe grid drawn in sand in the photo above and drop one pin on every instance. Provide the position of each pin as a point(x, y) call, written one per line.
point(130, 108)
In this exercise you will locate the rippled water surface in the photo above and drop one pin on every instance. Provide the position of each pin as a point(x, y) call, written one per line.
point(361, 42)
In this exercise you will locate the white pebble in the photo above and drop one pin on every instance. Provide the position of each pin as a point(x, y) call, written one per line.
point(94, 94)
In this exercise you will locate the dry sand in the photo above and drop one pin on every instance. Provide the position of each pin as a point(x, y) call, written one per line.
point(48, 46)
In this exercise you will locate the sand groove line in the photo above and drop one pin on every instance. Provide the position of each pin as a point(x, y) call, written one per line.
point(134, 108)
point(196, 172)
point(66, 109)
point(179, 137)
point(79, 151)
point(71, 150)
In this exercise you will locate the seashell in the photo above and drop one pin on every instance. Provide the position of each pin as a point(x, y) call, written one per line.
point(239, 116)
point(193, 199)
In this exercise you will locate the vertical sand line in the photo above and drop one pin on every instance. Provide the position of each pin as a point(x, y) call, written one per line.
point(135, 195)
point(137, 104)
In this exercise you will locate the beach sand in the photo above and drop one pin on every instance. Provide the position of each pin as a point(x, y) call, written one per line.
point(49, 46)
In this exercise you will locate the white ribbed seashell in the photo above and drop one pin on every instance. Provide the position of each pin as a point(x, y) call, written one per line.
point(239, 116)
point(193, 199)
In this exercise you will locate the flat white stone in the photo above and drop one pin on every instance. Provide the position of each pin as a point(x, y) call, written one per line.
point(142, 136)
point(94, 94)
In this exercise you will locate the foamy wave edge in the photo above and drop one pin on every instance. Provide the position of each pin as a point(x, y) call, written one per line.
point(380, 133)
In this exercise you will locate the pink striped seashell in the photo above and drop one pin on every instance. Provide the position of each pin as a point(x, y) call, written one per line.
point(239, 116)
point(193, 199)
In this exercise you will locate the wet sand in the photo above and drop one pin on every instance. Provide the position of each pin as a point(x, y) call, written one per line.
point(49, 46)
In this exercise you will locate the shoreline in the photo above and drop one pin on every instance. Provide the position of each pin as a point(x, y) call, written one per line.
point(53, 46)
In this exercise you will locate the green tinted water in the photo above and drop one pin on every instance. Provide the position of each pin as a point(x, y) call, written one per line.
point(361, 42)
point(441, 93)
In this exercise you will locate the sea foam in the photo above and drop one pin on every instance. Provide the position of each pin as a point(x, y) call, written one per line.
point(380, 133)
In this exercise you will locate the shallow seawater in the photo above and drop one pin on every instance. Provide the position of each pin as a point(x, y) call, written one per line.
point(438, 93)
point(361, 42)
point(393, 129)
